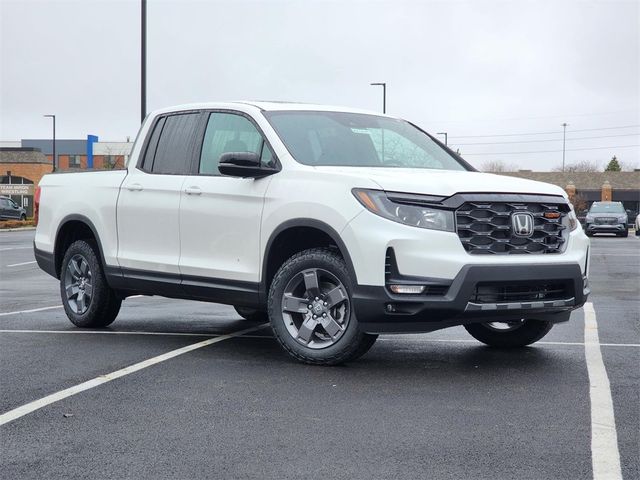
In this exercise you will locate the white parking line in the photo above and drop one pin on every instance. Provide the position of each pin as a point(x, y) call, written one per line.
point(62, 394)
point(23, 263)
point(195, 334)
point(6, 249)
point(30, 311)
point(605, 457)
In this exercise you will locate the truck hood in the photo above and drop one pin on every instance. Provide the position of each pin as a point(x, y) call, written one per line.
point(444, 182)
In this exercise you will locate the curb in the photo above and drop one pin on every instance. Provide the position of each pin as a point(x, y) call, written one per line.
point(19, 229)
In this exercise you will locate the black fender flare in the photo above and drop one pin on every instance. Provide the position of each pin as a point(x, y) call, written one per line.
point(74, 217)
point(304, 222)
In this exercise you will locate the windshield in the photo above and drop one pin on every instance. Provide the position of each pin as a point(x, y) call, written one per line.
point(358, 140)
point(606, 208)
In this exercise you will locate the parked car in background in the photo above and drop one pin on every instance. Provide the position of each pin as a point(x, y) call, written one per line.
point(607, 217)
point(637, 225)
point(9, 210)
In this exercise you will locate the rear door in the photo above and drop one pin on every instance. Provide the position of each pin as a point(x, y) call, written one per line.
point(220, 216)
point(149, 202)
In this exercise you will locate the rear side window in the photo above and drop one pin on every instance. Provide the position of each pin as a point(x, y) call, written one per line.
point(172, 144)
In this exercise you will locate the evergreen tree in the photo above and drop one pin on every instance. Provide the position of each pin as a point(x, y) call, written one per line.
point(613, 166)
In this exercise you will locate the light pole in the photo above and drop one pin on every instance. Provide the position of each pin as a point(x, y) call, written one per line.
point(54, 140)
point(564, 138)
point(384, 94)
point(143, 60)
point(445, 137)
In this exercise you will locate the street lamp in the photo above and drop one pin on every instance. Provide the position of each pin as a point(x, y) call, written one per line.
point(564, 135)
point(54, 140)
point(445, 137)
point(143, 60)
point(384, 94)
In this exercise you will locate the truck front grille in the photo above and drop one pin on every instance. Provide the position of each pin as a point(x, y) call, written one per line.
point(485, 227)
point(606, 221)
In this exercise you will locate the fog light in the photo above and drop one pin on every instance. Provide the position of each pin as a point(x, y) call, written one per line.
point(407, 289)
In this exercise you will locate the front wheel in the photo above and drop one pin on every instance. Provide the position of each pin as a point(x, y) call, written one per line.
point(311, 309)
point(23, 217)
point(88, 300)
point(514, 334)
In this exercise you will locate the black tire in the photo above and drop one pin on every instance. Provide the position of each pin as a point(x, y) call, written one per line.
point(625, 233)
point(103, 305)
point(352, 343)
point(252, 314)
point(23, 217)
point(528, 332)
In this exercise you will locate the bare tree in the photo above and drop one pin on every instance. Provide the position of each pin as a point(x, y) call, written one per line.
point(581, 166)
point(498, 166)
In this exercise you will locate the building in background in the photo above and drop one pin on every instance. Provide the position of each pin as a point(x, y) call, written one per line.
point(20, 171)
point(83, 154)
point(587, 187)
point(24, 163)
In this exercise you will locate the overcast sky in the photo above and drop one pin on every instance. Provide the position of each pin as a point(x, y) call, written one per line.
point(464, 67)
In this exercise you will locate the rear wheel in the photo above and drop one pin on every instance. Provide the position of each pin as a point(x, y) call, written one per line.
point(311, 311)
point(252, 314)
point(88, 300)
point(519, 333)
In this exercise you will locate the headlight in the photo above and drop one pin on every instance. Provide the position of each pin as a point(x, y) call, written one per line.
point(588, 219)
point(573, 220)
point(408, 212)
point(622, 218)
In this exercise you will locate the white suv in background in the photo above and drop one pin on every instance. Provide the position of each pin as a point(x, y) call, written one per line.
point(335, 225)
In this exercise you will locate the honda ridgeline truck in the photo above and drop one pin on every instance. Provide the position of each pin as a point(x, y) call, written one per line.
point(335, 225)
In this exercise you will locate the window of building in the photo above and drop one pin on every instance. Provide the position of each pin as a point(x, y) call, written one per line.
point(74, 161)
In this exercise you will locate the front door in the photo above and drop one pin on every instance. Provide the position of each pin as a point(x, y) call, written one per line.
point(220, 216)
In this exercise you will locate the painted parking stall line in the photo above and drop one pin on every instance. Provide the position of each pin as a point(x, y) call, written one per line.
point(56, 397)
point(32, 310)
point(605, 457)
point(21, 264)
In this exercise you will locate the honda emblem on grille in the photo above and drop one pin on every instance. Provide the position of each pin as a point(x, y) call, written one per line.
point(522, 224)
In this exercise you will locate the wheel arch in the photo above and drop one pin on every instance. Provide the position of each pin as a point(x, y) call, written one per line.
point(273, 257)
point(74, 227)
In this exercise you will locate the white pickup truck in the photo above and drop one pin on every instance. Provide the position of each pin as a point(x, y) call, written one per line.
point(333, 224)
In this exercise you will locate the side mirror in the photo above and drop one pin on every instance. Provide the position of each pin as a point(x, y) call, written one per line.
point(243, 164)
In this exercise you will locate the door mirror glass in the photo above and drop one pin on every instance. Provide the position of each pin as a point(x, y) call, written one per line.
point(242, 164)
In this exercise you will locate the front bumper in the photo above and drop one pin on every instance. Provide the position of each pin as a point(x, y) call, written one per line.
point(606, 228)
point(380, 311)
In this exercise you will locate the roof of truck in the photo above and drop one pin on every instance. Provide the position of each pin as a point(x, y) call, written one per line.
point(268, 106)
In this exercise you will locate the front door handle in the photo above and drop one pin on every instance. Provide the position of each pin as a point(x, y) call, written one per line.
point(192, 191)
point(135, 187)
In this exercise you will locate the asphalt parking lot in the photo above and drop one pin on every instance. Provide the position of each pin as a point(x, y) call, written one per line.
point(438, 405)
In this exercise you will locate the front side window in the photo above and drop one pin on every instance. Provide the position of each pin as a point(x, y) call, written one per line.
point(229, 132)
point(358, 140)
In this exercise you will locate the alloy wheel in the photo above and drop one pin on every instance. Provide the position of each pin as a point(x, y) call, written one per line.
point(316, 308)
point(78, 284)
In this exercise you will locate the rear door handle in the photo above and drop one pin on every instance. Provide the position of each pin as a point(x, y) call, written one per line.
point(135, 187)
point(192, 191)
